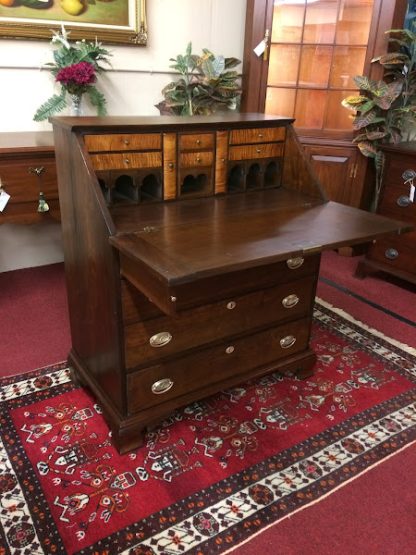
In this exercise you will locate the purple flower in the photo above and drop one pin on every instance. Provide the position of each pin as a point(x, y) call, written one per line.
point(76, 77)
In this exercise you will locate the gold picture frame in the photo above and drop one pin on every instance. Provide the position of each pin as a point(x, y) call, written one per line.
point(110, 21)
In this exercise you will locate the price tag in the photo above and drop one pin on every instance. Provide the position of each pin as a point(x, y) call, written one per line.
point(4, 199)
point(412, 193)
point(260, 48)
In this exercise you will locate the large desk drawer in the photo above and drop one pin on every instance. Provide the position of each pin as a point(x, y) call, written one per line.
point(161, 337)
point(160, 383)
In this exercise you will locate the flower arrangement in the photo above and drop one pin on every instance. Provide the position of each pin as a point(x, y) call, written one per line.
point(75, 68)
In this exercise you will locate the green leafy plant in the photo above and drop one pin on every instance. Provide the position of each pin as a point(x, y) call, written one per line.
point(207, 84)
point(385, 110)
point(75, 67)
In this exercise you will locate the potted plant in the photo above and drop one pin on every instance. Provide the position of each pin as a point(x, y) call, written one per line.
point(207, 84)
point(385, 110)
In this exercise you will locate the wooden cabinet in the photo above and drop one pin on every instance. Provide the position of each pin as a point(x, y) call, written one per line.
point(195, 268)
point(314, 49)
point(27, 168)
point(396, 255)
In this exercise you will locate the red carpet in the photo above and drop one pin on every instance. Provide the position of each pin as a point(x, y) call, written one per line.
point(216, 472)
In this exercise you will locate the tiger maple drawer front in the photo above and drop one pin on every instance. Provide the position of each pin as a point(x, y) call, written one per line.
point(396, 202)
point(195, 159)
point(152, 340)
point(396, 252)
point(196, 141)
point(160, 383)
point(129, 160)
point(268, 134)
point(250, 152)
point(102, 143)
point(210, 289)
point(24, 179)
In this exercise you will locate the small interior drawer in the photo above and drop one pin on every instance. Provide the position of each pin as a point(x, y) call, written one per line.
point(129, 160)
point(268, 134)
point(196, 141)
point(195, 159)
point(172, 379)
point(126, 141)
point(249, 152)
point(206, 324)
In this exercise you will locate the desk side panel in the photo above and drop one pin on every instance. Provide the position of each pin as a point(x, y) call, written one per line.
point(91, 268)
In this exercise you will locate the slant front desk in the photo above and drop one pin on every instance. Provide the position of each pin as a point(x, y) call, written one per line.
point(192, 250)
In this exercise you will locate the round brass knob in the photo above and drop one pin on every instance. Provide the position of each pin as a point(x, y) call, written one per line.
point(126, 161)
point(198, 159)
point(294, 263)
point(230, 350)
point(160, 339)
point(162, 386)
point(287, 341)
point(126, 141)
point(231, 305)
point(198, 141)
point(171, 165)
point(260, 135)
point(258, 150)
point(290, 301)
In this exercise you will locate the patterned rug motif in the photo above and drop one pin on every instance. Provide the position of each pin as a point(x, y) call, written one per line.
point(214, 472)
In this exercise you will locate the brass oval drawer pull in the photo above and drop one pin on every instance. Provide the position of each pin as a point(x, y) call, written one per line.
point(230, 350)
point(160, 339)
point(294, 263)
point(231, 305)
point(403, 201)
point(391, 254)
point(290, 301)
point(287, 341)
point(162, 386)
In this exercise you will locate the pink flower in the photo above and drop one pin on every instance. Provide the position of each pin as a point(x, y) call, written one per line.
point(76, 77)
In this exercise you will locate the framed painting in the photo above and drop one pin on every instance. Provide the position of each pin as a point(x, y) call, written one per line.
point(111, 21)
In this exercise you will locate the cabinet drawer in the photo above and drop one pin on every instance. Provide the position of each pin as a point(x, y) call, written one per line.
point(196, 141)
point(195, 159)
point(206, 324)
point(145, 141)
point(21, 182)
point(395, 202)
point(165, 381)
point(268, 134)
point(248, 152)
point(128, 160)
point(396, 252)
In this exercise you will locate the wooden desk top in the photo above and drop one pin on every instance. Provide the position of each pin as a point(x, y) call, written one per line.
point(185, 241)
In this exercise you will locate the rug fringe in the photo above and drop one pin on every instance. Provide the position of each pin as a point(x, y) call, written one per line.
point(316, 501)
point(381, 335)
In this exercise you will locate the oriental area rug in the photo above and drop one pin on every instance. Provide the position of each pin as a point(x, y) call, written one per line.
point(215, 472)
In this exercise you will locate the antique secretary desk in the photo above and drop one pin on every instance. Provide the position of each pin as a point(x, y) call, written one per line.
point(192, 250)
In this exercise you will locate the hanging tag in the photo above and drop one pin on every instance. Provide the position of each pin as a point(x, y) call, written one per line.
point(4, 199)
point(412, 193)
point(260, 48)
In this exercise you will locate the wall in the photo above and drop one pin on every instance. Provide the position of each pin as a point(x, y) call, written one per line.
point(131, 87)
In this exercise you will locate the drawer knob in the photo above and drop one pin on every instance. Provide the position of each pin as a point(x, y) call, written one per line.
point(198, 159)
point(160, 339)
point(403, 201)
point(287, 341)
point(126, 141)
point(290, 301)
point(231, 305)
point(391, 254)
point(229, 350)
point(198, 141)
point(260, 135)
point(171, 165)
point(126, 161)
point(258, 150)
point(294, 263)
point(162, 386)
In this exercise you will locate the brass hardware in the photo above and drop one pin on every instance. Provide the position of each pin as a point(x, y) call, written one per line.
point(223, 160)
point(231, 305)
point(162, 386)
point(266, 44)
point(260, 135)
point(287, 341)
point(126, 141)
point(391, 253)
point(149, 229)
point(198, 159)
point(290, 301)
point(126, 161)
point(37, 171)
point(160, 339)
point(229, 350)
point(355, 171)
point(294, 263)
point(403, 201)
point(258, 150)
point(43, 206)
point(173, 299)
point(171, 165)
point(198, 141)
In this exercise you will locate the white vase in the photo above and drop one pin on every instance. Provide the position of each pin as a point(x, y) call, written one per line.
point(76, 105)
